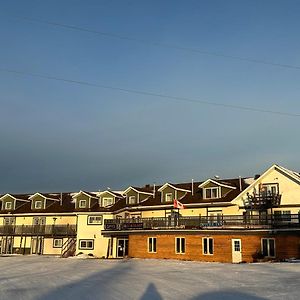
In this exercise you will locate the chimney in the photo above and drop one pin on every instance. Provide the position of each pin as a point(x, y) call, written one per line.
point(192, 187)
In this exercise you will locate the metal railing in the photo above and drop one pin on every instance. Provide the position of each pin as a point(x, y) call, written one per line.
point(50, 230)
point(211, 222)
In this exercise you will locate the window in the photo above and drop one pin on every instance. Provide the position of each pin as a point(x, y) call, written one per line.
point(9, 220)
point(268, 247)
point(107, 201)
point(57, 243)
point(237, 246)
point(131, 200)
point(180, 245)
point(86, 244)
point(208, 246)
point(270, 188)
point(211, 193)
point(282, 215)
point(152, 244)
point(169, 197)
point(286, 215)
point(8, 205)
point(82, 203)
point(95, 220)
point(38, 204)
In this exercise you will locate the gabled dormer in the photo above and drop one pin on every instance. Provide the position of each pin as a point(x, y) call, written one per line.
point(108, 198)
point(170, 192)
point(85, 200)
point(213, 189)
point(42, 201)
point(136, 195)
point(11, 202)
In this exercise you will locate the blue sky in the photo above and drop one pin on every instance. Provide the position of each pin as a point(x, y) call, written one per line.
point(58, 136)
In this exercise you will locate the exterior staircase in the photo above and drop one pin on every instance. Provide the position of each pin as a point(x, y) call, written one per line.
point(68, 248)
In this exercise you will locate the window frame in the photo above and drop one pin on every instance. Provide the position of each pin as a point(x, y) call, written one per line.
point(86, 241)
point(130, 197)
point(152, 247)
point(212, 188)
point(105, 198)
point(80, 201)
point(180, 245)
point(166, 196)
point(94, 216)
point(207, 245)
point(268, 247)
point(11, 205)
point(57, 239)
point(38, 201)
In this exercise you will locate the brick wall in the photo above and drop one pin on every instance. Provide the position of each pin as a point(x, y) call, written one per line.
point(287, 246)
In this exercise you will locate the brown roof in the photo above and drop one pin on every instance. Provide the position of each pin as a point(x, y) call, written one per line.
point(67, 205)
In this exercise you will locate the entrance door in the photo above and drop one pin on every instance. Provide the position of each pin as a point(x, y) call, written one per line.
point(236, 250)
point(37, 244)
point(122, 247)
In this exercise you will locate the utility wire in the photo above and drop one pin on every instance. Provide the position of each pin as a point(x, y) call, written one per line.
point(152, 94)
point(156, 44)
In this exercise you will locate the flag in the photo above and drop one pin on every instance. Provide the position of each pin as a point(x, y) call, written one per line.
point(178, 204)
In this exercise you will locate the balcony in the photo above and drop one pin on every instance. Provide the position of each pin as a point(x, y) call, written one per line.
point(41, 230)
point(198, 223)
point(262, 201)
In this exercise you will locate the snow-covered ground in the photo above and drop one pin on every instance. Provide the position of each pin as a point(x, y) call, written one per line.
point(36, 277)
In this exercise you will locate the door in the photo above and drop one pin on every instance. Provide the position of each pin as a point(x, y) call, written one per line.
point(236, 250)
point(122, 248)
point(37, 244)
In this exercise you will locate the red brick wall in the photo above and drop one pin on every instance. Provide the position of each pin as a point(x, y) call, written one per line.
point(286, 246)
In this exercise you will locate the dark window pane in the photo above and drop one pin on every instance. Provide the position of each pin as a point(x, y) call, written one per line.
point(177, 245)
point(183, 245)
point(154, 244)
point(271, 248)
point(265, 247)
point(211, 247)
point(205, 246)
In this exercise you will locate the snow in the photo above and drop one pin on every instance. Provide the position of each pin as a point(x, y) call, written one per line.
point(42, 277)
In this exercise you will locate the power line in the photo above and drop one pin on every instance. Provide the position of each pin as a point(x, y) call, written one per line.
point(157, 44)
point(152, 94)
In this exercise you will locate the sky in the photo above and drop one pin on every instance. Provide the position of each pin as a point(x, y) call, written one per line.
point(57, 136)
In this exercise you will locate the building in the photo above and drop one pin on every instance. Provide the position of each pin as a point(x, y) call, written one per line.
point(225, 220)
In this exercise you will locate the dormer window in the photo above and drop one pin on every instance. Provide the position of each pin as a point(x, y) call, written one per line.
point(38, 204)
point(169, 197)
point(107, 201)
point(8, 205)
point(82, 203)
point(132, 200)
point(211, 193)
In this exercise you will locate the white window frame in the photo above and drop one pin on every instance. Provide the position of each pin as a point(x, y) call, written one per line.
point(268, 246)
point(180, 245)
point(268, 187)
point(107, 198)
point(166, 197)
point(95, 220)
point(81, 247)
point(212, 188)
point(60, 242)
point(38, 201)
point(81, 201)
point(130, 200)
point(207, 245)
point(11, 205)
point(152, 249)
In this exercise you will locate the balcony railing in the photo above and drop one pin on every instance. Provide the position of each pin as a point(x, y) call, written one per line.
point(210, 222)
point(263, 200)
point(43, 230)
